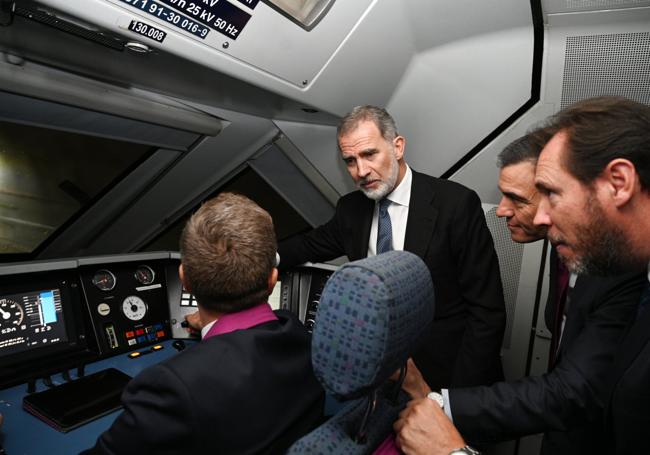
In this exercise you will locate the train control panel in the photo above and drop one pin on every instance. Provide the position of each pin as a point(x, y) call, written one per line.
point(71, 322)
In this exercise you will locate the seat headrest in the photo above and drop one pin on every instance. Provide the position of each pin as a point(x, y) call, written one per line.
point(371, 312)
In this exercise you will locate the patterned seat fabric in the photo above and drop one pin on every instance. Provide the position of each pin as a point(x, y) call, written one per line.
point(371, 313)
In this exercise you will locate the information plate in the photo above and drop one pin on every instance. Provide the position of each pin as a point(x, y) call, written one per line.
point(219, 15)
point(250, 3)
point(156, 9)
point(147, 30)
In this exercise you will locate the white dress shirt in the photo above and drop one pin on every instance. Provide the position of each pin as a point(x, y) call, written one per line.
point(398, 209)
point(206, 328)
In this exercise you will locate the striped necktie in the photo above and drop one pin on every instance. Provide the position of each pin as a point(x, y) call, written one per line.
point(384, 228)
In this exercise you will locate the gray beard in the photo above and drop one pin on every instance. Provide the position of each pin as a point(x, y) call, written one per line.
point(384, 188)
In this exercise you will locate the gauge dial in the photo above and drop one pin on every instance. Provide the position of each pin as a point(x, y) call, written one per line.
point(11, 313)
point(134, 308)
point(144, 274)
point(104, 280)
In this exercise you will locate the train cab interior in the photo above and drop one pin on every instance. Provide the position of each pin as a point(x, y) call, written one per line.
point(118, 118)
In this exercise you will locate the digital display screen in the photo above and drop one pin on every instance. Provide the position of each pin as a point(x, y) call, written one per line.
point(31, 320)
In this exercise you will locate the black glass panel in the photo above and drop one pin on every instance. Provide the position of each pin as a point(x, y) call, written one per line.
point(47, 176)
point(286, 220)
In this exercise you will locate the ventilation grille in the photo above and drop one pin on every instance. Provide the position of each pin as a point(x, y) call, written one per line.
point(51, 20)
point(599, 65)
point(510, 255)
point(568, 6)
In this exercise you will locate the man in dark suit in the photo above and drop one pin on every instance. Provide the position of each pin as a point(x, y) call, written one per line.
point(440, 221)
point(248, 386)
point(567, 402)
point(594, 175)
point(594, 180)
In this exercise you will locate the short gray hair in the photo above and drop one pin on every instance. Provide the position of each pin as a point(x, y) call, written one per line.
point(379, 116)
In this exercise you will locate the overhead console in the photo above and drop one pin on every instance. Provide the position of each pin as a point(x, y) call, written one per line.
point(242, 38)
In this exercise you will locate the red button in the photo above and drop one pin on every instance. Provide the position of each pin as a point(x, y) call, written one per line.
point(129, 334)
point(160, 333)
point(139, 332)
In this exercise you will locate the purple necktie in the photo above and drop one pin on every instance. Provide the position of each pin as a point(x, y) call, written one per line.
point(562, 286)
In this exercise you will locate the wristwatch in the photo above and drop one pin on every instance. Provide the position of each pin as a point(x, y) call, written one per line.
point(435, 396)
point(467, 450)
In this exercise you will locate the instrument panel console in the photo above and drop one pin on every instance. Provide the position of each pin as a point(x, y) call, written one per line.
point(58, 315)
point(64, 314)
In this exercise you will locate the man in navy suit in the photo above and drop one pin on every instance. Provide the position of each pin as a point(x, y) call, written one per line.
point(594, 180)
point(587, 321)
point(248, 386)
point(440, 221)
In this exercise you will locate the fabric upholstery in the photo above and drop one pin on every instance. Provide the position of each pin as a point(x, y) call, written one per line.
point(370, 315)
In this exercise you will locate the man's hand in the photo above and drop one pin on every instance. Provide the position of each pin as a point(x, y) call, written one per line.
point(424, 428)
point(414, 384)
point(194, 322)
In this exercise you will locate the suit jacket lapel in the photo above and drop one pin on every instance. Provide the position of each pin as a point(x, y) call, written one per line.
point(635, 340)
point(359, 245)
point(422, 216)
point(576, 296)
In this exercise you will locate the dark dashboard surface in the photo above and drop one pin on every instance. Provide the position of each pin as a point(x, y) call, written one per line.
point(65, 318)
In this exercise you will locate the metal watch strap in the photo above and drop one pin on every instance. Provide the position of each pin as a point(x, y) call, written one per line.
point(467, 450)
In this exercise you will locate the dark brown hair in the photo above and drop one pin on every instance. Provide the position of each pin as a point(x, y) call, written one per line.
point(525, 148)
point(602, 129)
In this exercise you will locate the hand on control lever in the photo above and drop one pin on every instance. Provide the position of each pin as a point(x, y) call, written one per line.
point(192, 323)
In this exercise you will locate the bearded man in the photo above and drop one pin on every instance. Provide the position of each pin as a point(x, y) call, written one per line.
point(442, 222)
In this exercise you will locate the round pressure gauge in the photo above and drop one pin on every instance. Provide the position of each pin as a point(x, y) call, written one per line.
point(11, 313)
point(104, 280)
point(144, 274)
point(134, 308)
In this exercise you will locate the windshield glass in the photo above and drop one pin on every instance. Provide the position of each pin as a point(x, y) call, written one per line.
point(286, 220)
point(48, 176)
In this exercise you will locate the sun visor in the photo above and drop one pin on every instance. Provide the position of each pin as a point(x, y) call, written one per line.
point(46, 83)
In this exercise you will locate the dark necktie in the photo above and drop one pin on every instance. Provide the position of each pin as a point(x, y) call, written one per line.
point(562, 287)
point(644, 302)
point(384, 228)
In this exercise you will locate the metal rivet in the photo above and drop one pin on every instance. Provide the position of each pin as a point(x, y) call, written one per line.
point(305, 82)
point(225, 45)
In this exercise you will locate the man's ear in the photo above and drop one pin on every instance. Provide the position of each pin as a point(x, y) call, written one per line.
point(181, 275)
point(622, 180)
point(399, 143)
point(273, 279)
